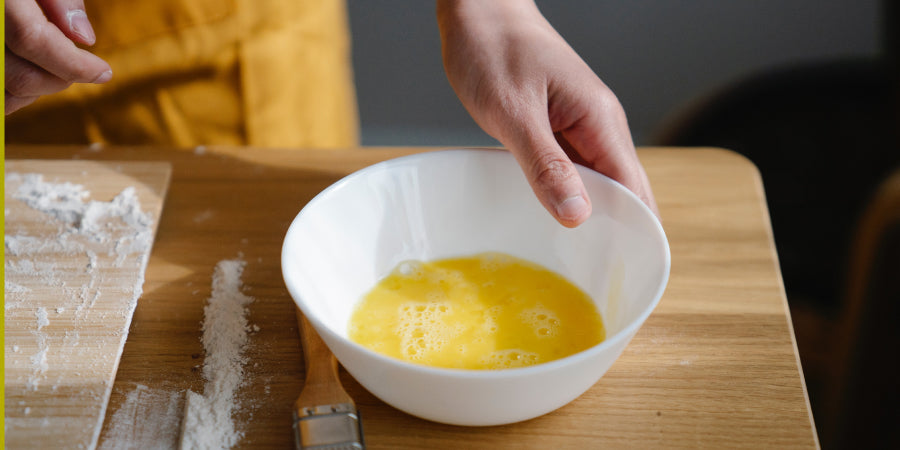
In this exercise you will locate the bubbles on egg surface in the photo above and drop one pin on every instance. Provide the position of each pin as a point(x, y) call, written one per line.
point(543, 321)
point(510, 358)
point(423, 328)
point(489, 325)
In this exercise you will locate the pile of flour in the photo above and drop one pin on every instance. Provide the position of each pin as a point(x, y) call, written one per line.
point(150, 417)
point(207, 421)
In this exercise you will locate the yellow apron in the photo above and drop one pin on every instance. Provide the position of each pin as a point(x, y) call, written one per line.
point(208, 72)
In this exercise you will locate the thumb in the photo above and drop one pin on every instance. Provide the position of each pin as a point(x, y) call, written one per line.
point(550, 172)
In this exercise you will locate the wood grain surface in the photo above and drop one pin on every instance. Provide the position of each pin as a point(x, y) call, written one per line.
point(69, 300)
point(714, 366)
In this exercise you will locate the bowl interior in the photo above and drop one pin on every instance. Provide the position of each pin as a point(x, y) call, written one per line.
point(459, 203)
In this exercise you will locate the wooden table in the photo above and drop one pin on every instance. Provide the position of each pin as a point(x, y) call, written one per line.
point(714, 366)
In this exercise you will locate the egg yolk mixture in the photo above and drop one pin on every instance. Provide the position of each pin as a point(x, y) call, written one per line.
point(488, 311)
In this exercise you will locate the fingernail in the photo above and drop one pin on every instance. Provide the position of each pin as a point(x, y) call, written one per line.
point(572, 208)
point(81, 26)
point(103, 78)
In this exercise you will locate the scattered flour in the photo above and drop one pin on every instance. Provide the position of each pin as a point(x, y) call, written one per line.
point(64, 201)
point(14, 294)
point(67, 203)
point(38, 364)
point(118, 227)
point(207, 421)
point(92, 260)
point(42, 320)
point(37, 281)
point(147, 419)
point(16, 245)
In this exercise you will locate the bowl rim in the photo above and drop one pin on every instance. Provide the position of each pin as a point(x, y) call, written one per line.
point(624, 334)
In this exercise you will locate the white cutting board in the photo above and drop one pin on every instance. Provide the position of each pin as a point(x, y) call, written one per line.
point(70, 291)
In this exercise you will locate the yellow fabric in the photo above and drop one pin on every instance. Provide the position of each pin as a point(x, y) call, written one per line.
point(203, 72)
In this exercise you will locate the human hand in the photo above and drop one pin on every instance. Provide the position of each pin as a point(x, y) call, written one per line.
point(526, 87)
point(41, 56)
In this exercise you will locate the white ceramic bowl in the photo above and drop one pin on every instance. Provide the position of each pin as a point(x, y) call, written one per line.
point(459, 203)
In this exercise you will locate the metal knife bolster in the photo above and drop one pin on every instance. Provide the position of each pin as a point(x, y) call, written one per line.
point(328, 427)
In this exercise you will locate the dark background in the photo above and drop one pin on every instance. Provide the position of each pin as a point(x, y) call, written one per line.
point(659, 56)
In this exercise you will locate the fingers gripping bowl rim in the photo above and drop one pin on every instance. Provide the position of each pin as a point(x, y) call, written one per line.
point(462, 202)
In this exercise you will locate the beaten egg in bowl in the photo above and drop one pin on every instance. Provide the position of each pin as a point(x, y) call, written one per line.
point(488, 311)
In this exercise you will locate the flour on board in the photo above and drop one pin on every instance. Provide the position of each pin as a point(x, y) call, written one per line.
point(60, 248)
